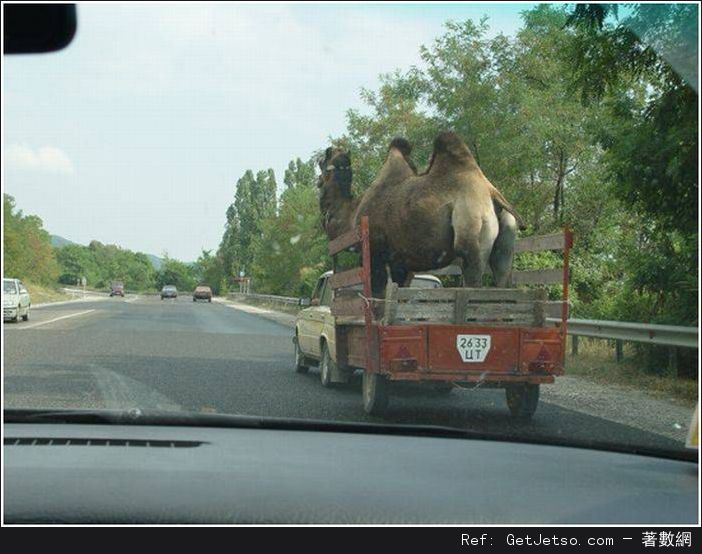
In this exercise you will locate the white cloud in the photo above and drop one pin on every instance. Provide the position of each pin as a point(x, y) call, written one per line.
point(47, 159)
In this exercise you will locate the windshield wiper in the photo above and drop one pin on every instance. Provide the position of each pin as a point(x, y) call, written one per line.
point(194, 419)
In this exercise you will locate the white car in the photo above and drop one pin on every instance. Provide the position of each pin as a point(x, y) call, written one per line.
point(15, 300)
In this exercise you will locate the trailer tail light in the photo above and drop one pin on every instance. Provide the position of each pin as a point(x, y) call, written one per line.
point(403, 348)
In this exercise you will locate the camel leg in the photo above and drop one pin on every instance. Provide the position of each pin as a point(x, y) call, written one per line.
point(400, 275)
point(379, 277)
point(502, 254)
point(473, 263)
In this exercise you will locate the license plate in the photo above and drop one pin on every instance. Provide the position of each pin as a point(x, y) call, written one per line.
point(473, 348)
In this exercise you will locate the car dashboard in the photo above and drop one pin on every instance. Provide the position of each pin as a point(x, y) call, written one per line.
point(78, 473)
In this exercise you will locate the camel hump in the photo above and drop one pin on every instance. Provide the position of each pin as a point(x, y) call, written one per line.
point(401, 144)
point(449, 145)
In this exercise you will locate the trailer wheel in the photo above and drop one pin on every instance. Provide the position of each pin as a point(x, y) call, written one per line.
point(300, 366)
point(522, 400)
point(326, 367)
point(375, 393)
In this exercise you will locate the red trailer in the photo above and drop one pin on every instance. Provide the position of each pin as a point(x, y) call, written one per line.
point(498, 338)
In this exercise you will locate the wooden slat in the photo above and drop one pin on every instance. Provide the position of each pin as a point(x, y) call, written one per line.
point(346, 278)
point(431, 295)
point(473, 295)
point(553, 308)
point(531, 313)
point(390, 307)
point(555, 241)
point(344, 241)
point(538, 277)
point(348, 306)
point(522, 320)
point(424, 311)
point(459, 307)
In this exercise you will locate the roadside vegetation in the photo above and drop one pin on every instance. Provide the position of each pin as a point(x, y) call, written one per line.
point(29, 256)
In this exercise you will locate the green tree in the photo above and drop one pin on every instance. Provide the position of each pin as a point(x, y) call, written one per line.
point(209, 270)
point(639, 68)
point(254, 200)
point(300, 173)
point(291, 250)
point(177, 273)
point(27, 251)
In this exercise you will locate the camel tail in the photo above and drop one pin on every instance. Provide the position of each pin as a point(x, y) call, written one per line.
point(502, 202)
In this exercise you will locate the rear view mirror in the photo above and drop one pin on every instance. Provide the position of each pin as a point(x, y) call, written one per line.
point(37, 28)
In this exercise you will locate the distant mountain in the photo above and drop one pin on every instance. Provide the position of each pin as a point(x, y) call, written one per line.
point(60, 242)
point(155, 261)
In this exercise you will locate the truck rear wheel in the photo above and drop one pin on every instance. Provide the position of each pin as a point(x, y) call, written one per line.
point(375, 393)
point(522, 400)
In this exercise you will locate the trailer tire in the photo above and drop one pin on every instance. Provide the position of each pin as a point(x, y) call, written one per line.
point(375, 393)
point(300, 366)
point(326, 367)
point(522, 400)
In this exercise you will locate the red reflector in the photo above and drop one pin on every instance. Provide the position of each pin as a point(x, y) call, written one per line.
point(542, 361)
point(405, 364)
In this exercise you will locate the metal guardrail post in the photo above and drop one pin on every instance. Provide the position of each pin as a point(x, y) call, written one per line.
point(619, 346)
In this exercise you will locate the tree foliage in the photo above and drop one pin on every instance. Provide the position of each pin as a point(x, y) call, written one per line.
point(101, 264)
point(177, 273)
point(27, 251)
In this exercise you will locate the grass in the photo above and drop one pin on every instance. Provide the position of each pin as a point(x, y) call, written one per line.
point(41, 294)
point(596, 362)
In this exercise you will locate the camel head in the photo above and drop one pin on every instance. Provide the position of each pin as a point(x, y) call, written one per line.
point(336, 201)
point(336, 173)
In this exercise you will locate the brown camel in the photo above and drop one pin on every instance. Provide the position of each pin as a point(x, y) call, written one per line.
point(336, 201)
point(423, 222)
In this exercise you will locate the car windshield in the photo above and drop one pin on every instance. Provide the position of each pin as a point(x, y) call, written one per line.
point(9, 287)
point(539, 159)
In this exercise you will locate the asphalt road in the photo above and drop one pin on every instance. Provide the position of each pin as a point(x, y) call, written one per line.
point(210, 357)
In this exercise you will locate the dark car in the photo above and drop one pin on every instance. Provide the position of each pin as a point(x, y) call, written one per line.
point(169, 291)
point(202, 292)
point(117, 289)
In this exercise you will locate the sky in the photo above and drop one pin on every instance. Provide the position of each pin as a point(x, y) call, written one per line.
point(136, 134)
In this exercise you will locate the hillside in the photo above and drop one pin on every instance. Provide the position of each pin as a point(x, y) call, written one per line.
point(59, 242)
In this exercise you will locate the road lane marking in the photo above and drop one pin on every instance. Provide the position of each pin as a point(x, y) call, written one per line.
point(40, 323)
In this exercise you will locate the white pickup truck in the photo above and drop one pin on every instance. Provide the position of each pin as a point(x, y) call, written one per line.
point(15, 300)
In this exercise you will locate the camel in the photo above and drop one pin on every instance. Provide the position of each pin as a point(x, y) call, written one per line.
point(420, 222)
point(336, 201)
